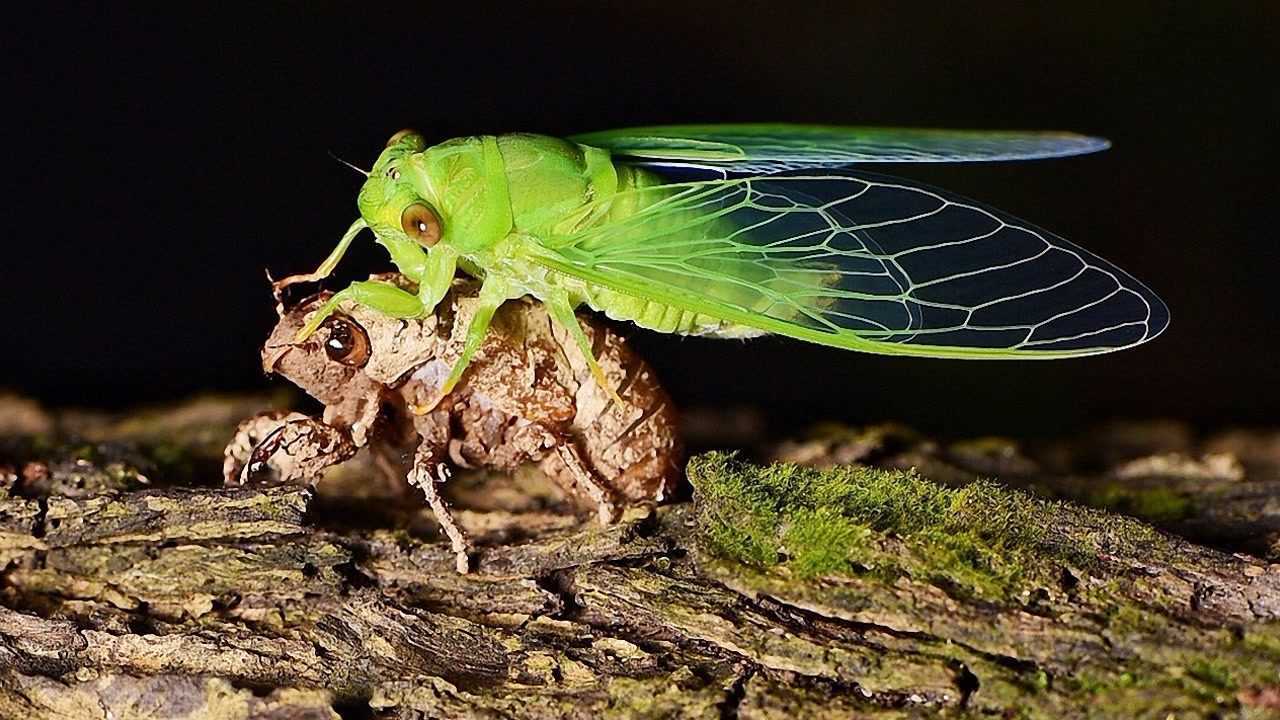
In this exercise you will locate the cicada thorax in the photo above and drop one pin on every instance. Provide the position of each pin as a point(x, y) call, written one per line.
point(557, 189)
point(709, 249)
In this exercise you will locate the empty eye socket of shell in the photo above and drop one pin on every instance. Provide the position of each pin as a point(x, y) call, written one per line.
point(421, 223)
point(345, 342)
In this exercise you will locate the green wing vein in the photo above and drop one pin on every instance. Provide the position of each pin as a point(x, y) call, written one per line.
point(864, 262)
point(764, 148)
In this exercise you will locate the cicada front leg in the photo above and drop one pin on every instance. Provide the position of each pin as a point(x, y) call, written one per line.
point(327, 267)
point(383, 297)
point(436, 276)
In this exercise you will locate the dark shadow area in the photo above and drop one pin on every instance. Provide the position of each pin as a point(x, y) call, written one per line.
point(161, 162)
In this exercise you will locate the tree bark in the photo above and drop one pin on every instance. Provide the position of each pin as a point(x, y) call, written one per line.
point(133, 589)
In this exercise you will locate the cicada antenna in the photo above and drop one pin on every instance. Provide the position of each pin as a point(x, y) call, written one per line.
point(350, 165)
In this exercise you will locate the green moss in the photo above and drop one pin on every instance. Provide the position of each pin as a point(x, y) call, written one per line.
point(978, 538)
point(1265, 641)
point(1126, 619)
point(1213, 673)
point(821, 542)
point(993, 544)
point(1155, 504)
point(1039, 680)
point(1094, 682)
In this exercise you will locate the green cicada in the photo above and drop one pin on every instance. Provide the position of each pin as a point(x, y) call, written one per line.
point(741, 230)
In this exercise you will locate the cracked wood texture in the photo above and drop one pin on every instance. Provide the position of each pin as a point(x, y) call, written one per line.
point(134, 588)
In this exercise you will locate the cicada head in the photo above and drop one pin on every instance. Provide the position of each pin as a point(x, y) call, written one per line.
point(396, 199)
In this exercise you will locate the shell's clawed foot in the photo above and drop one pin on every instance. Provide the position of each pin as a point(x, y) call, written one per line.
point(607, 512)
point(282, 447)
point(297, 449)
point(462, 561)
point(249, 433)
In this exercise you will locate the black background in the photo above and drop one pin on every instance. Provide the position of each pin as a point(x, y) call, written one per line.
point(160, 163)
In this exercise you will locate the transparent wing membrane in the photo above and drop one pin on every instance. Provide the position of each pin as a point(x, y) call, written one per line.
point(769, 148)
point(864, 262)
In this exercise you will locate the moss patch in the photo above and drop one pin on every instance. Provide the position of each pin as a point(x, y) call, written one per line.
point(978, 538)
point(1155, 504)
point(802, 527)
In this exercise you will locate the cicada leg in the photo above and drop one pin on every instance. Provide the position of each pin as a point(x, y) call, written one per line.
point(562, 312)
point(436, 277)
point(493, 293)
point(383, 297)
point(327, 267)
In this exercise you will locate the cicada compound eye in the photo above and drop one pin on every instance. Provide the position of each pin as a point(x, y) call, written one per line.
point(345, 342)
point(400, 136)
point(421, 223)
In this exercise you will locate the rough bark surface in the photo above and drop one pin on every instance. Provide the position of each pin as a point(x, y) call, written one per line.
point(133, 587)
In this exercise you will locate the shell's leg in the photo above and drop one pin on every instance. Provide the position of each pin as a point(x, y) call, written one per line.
point(299, 450)
point(327, 267)
point(571, 456)
point(429, 468)
point(493, 293)
point(383, 297)
point(249, 433)
point(562, 312)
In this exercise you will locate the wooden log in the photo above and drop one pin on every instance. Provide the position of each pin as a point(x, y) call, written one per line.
point(779, 592)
